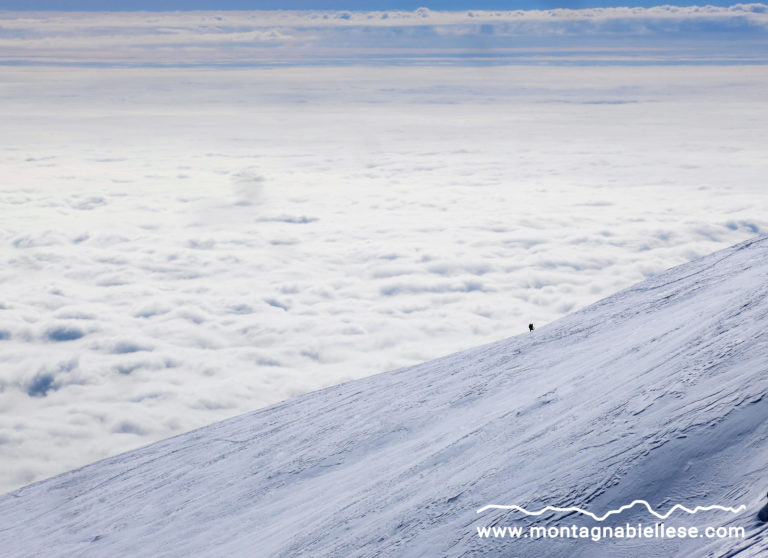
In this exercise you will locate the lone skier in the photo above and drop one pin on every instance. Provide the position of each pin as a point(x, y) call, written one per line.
point(530, 327)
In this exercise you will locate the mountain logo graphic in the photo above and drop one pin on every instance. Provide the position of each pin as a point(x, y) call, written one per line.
point(616, 511)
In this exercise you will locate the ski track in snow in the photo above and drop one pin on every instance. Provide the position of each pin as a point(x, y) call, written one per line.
point(656, 393)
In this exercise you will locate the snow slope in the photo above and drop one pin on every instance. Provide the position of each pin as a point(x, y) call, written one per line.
point(655, 393)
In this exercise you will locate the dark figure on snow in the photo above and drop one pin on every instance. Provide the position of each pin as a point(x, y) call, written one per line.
point(763, 513)
point(530, 327)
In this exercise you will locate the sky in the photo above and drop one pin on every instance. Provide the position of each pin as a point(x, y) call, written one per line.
point(204, 214)
point(451, 5)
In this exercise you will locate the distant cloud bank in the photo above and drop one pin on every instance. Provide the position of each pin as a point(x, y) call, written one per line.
point(663, 34)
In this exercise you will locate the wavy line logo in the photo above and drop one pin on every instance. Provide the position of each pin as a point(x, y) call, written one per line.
point(618, 511)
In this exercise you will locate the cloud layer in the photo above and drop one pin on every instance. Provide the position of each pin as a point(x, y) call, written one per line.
point(182, 246)
point(669, 34)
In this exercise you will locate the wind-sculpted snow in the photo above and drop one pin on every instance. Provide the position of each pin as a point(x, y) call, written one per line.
point(653, 394)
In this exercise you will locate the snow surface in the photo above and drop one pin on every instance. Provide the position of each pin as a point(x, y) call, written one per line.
point(655, 393)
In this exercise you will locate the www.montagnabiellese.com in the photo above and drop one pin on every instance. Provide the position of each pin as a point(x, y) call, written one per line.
point(598, 533)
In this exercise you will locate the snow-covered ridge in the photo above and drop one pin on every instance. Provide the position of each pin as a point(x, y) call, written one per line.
point(655, 393)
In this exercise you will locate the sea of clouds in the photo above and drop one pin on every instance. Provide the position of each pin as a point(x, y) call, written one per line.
point(181, 245)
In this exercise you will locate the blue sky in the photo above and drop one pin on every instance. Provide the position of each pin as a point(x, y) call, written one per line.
point(160, 5)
